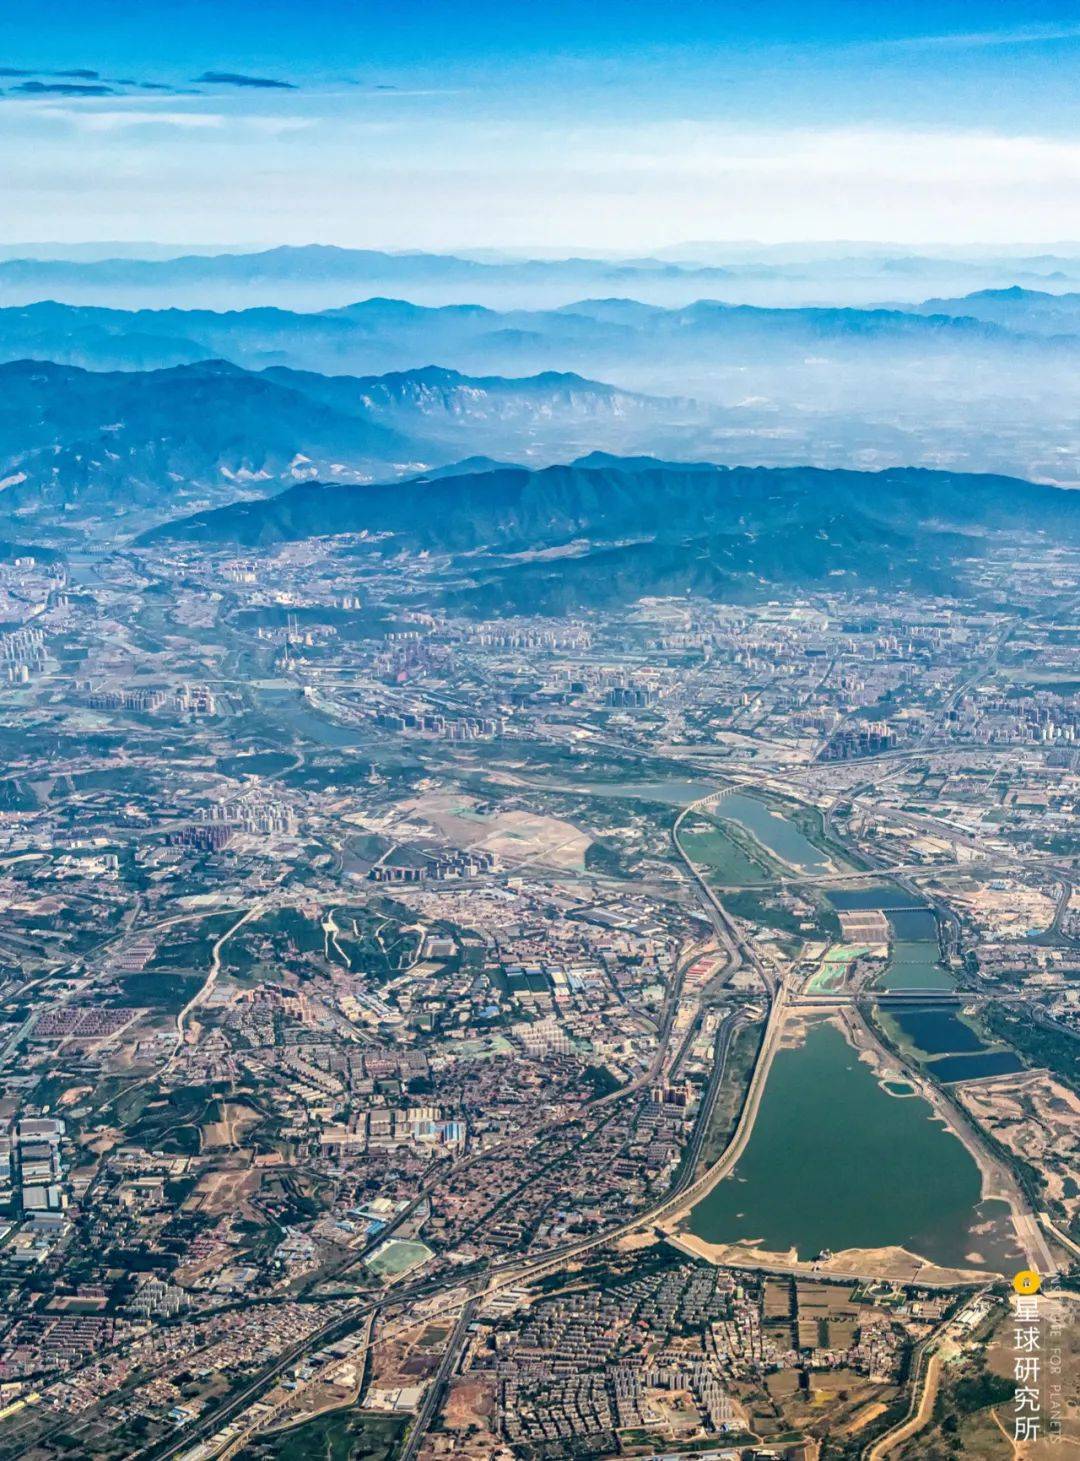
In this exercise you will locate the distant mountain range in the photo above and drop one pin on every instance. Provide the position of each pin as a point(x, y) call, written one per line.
point(1030, 311)
point(595, 336)
point(445, 403)
point(314, 262)
point(936, 387)
point(77, 443)
point(316, 276)
point(131, 417)
point(607, 529)
point(121, 446)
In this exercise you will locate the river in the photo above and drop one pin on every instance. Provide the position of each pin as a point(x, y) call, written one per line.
point(777, 833)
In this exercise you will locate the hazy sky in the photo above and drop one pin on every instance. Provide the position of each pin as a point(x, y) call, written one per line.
point(619, 125)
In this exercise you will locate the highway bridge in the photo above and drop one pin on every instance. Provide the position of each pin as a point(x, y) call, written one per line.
point(893, 998)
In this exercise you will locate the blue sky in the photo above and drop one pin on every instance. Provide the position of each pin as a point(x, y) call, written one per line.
point(621, 126)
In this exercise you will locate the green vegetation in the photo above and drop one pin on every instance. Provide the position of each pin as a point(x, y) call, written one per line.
point(257, 763)
point(280, 931)
point(170, 1125)
point(605, 858)
point(375, 939)
point(397, 1257)
point(977, 1391)
point(187, 949)
point(345, 1435)
point(963, 1422)
point(769, 910)
point(600, 1079)
point(168, 993)
point(1036, 1044)
point(729, 856)
point(729, 1100)
point(16, 795)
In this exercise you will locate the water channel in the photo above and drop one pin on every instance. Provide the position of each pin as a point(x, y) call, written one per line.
point(914, 956)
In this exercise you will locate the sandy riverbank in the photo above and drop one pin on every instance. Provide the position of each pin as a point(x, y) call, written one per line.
point(855, 1263)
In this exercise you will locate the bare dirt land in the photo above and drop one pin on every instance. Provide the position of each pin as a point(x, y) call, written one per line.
point(976, 1397)
point(225, 1190)
point(892, 1263)
point(1038, 1118)
point(837, 1403)
point(469, 1403)
point(513, 835)
point(228, 1133)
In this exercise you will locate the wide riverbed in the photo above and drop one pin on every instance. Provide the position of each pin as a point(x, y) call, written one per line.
point(776, 833)
point(834, 1161)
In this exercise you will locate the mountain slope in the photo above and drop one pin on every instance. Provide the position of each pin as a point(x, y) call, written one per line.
point(444, 403)
point(1028, 311)
point(102, 442)
point(779, 387)
point(644, 526)
point(612, 339)
point(75, 443)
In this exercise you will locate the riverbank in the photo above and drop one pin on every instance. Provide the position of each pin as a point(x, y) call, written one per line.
point(856, 1264)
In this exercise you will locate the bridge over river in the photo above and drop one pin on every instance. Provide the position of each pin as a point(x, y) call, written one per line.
point(893, 997)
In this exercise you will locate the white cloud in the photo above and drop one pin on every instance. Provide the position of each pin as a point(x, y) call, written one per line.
point(600, 185)
point(1028, 35)
point(902, 157)
point(115, 119)
point(276, 126)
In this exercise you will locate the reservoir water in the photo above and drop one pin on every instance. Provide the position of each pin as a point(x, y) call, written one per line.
point(949, 1068)
point(309, 724)
point(913, 925)
point(835, 1161)
point(915, 966)
point(936, 1031)
point(878, 895)
point(949, 1047)
point(711, 846)
point(672, 790)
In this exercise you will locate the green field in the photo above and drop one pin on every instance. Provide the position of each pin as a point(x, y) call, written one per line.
point(397, 1256)
point(729, 862)
point(345, 1435)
